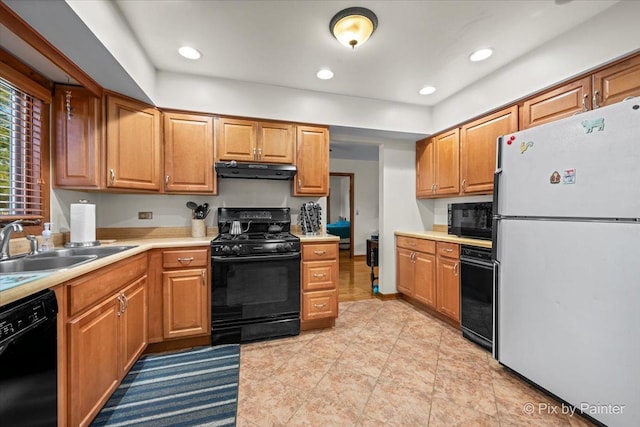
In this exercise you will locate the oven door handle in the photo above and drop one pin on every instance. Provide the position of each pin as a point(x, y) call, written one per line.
point(279, 257)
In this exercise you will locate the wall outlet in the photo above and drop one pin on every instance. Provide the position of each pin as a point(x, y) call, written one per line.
point(145, 215)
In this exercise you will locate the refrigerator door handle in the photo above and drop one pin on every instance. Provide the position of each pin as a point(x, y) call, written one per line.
point(496, 281)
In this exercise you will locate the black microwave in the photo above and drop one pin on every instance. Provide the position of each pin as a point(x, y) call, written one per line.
point(471, 219)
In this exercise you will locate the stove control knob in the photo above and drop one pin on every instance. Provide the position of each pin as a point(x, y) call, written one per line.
point(226, 249)
point(280, 247)
point(236, 249)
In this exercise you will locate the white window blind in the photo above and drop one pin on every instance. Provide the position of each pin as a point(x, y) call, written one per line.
point(21, 195)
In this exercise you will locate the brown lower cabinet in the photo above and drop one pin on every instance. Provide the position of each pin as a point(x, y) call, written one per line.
point(319, 284)
point(105, 318)
point(428, 272)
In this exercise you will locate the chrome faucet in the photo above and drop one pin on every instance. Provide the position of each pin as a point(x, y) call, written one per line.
point(5, 236)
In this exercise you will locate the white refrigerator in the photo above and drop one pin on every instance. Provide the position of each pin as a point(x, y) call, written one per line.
point(567, 257)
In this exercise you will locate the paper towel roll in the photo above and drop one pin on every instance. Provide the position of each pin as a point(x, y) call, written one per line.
point(83, 222)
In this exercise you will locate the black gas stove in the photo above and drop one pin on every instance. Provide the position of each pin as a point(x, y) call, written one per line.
point(255, 276)
point(254, 231)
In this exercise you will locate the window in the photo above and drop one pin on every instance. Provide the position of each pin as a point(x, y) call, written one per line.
point(22, 194)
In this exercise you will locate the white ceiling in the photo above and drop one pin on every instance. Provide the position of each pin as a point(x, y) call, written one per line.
point(285, 43)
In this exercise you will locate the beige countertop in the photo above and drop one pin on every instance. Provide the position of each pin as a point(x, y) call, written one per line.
point(445, 237)
point(51, 280)
point(317, 238)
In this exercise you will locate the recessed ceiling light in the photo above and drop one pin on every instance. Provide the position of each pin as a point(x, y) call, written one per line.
point(325, 74)
point(481, 54)
point(427, 90)
point(189, 52)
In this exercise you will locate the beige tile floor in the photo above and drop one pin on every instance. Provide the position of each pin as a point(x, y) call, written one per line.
point(384, 364)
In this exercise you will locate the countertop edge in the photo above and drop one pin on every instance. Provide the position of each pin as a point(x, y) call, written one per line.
point(444, 237)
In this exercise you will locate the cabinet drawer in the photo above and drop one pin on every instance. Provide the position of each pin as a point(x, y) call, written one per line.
point(421, 245)
point(86, 290)
point(185, 258)
point(319, 251)
point(449, 250)
point(319, 305)
point(319, 275)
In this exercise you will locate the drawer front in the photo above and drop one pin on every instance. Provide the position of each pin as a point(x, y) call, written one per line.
point(319, 305)
point(421, 245)
point(319, 275)
point(87, 290)
point(449, 250)
point(319, 251)
point(185, 258)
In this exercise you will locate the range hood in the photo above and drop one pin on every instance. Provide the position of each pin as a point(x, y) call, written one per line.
point(235, 169)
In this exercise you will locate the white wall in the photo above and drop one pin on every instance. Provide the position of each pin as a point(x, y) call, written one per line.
point(366, 198)
point(610, 35)
point(399, 208)
point(232, 97)
point(121, 210)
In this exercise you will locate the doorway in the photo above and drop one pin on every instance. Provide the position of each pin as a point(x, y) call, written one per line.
point(340, 209)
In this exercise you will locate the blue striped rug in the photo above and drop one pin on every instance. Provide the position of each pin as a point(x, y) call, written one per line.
point(189, 388)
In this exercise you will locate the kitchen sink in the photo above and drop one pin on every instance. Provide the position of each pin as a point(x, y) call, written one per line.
point(39, 263)
point(99, 251)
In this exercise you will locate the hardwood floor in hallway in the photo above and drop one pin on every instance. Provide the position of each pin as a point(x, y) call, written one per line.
point(355, 278)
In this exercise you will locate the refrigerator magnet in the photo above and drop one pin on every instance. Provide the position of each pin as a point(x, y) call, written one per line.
point(555, 178)
point(590, 125)
point(569, 176)
point(524, 146)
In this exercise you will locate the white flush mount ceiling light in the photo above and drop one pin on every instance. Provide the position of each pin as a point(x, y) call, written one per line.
point(427, 90)
point(325, 74)
point(353, 26)
point(481, 54)
point(189, 52)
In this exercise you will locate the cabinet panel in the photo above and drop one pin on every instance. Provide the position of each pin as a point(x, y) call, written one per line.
point(319, 251)
point(181, 258)
point(478, 149)
point(188, 156)
point(616, 83)
point(94, 369)
point(312, 162)
point(415, 244)
point(185, 303)
point(447, 162)
point(320, 305)
point(404, 271)
point(449, 287)
point(276, 143)
point(133, 145)
point(319, 275)
point(425, 170)
point(133, 323)
point(236, 139)
point(556, 104)
point(425, 278)
point(77, 123)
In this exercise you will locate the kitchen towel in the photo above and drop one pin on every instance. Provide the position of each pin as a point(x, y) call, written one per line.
point(83, 222)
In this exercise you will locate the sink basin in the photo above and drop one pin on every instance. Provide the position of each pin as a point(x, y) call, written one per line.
point(38, 263)
point(99, 251)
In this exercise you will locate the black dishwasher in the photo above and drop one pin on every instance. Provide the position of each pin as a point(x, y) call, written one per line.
point(28, 357)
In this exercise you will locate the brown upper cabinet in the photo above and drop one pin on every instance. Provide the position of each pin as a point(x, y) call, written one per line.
point(252, 141)
point(133, 145)
point(312, 162)
point(607, 86)
point(77, 124)
point(188, 154)
point(478, 149)
point(438, 166)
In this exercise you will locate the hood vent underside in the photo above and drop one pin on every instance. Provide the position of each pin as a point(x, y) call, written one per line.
point(235, 169)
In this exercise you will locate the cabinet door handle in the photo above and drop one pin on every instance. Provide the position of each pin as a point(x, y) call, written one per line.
point(320, 305)
point(455, 269)
point(255, 157)
point(318, 275)
point(112, 176)
point(584, 102)
point(447, 250)
point(594, 102)
point(121, 301)
point(259, 153)
point(166, 180)
point(433, 188)
point(299, 183)
point(319, 252)
point(463, 184)
point(185, 260)
point(126, 302)
point(204, 277)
